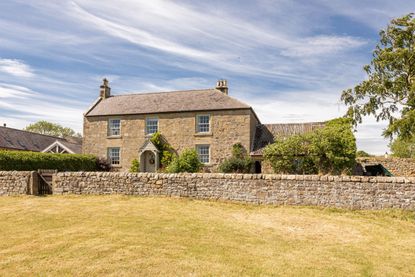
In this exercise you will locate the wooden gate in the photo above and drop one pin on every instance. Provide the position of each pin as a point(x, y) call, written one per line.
point(45, 181)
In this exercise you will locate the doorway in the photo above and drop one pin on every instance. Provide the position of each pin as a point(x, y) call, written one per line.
point(149, 161)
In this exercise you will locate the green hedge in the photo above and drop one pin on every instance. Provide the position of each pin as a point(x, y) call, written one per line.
point(22, 160)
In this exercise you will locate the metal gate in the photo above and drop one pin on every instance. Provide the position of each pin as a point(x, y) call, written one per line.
point(45, 181)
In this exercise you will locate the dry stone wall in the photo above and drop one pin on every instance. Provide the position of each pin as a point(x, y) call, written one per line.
point(14, 182)
point(397, 166)
point(356, 192)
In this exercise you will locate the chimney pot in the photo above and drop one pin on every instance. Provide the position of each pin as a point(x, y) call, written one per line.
point(4, 125)
point(105, 90)
point(222, 85)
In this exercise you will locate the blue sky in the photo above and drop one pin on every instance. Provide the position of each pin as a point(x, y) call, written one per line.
point(289, 59)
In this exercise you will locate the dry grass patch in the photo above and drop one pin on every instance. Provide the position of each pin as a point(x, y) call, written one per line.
point(120, 235)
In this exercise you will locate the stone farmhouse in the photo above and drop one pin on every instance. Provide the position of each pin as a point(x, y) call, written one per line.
point(118, 127)
point(14, 139)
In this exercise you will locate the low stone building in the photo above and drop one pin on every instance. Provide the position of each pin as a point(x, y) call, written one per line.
point(15, 139)
point(208, 120)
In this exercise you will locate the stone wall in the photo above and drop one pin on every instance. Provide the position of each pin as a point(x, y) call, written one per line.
point(397, 166)
point(179, 129)
point(15, 182)
point(356, 192)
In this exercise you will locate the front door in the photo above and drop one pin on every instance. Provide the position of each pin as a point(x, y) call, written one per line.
point(149, 161)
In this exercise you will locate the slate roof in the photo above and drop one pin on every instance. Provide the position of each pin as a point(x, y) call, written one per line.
point(15, 139)
point(266, 133)
point(163, 102)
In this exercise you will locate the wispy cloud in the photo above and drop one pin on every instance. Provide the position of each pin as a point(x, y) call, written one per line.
point(323, 45)
point(16, 68)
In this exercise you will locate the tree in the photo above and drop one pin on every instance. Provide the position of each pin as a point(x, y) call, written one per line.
point(362, 154)
point(389, 91)
point(52, 129)
point(331, 149)
point(239, 162)
point(403, 148)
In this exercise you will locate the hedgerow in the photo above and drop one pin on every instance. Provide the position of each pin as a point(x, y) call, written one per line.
point(22, 160)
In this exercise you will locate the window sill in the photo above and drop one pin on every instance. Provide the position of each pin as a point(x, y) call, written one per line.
point(116, 165)
point(114, 137)
point(203, 134)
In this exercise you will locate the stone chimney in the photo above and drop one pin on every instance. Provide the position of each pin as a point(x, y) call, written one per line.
point(222, 85)
point(105, 90)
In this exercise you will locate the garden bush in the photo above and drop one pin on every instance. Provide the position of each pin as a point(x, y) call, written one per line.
point(329, 150)
point(135, 166)
point(188, 161)
point(239, 162)
point(22, 160)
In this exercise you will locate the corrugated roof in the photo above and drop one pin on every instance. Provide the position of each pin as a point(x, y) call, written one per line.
point(15, 139)
point(162, 102)
point(266, 133)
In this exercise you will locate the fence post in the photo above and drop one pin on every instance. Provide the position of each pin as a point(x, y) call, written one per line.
point(34, 183)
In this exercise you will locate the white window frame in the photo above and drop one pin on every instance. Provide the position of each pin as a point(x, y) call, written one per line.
point(109, 130)
point(209, 124)
point(198, 147)
point(146, 125)
point(109, 156)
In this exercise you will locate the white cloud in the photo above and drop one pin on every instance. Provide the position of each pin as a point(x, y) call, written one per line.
point(20, 105)
point(15, 68)
point(322, 45)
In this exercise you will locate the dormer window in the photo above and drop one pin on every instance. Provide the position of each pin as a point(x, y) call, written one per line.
point(152, 125)
point(114, 127)
point(203, 123)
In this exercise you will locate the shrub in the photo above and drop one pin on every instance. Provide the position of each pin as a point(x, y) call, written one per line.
point(135, 166)
point(188, 161)
point(22, 160)
point(331, 149)
point(291, 155)
point(240, 162)
point(103, 164)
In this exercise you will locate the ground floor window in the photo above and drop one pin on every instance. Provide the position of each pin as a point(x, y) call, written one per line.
point(203, 151)
point(114, 155)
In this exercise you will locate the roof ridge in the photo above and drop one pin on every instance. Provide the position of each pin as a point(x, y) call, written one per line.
point(160, 92)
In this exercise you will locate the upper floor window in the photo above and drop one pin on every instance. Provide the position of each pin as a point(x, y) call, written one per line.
point(203, 123)
point(152, 124)
point(114, 155)
point(114, 127)
point(203, 151)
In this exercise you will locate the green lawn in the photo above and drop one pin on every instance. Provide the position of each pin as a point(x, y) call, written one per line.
point(120, 235)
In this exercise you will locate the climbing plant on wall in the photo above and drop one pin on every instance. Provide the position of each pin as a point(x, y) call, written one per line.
point(166, 150)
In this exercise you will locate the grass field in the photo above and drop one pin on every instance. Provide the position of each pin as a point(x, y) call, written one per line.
point(120, 235)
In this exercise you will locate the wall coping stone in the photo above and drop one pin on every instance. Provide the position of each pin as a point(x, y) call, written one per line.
point(237, 176)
